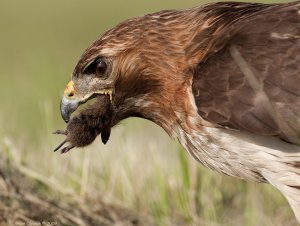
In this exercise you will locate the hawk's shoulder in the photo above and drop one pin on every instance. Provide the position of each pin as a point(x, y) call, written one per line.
point(249, 78)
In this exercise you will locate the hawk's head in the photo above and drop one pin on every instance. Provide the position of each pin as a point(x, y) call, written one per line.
point(139, 67)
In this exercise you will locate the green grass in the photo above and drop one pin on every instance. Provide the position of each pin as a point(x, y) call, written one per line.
point(141, 167)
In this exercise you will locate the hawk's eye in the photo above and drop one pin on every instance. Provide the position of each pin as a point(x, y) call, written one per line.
point(100, 67)
point(97, 67)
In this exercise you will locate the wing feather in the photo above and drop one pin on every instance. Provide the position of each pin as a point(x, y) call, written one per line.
point(253, 82)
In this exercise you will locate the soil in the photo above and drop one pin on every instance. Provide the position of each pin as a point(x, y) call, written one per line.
point(25, 199)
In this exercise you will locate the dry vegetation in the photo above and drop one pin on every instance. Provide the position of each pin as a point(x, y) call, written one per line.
point(25, 200)
point(141, 177)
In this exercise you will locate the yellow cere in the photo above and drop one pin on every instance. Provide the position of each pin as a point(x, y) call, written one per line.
point(69, 88)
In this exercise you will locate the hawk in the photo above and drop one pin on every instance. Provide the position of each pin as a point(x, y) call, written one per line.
point(222, 78)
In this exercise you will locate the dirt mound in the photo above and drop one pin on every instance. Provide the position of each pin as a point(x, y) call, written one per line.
point(27, 199)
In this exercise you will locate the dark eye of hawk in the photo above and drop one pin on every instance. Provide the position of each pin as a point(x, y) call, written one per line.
point(100, 67)
point(97, 67)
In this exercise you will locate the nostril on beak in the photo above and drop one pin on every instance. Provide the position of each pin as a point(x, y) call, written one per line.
point(70, 90)
point(70, 94)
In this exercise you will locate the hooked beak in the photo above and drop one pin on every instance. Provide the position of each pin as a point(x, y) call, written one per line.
point(71, 100)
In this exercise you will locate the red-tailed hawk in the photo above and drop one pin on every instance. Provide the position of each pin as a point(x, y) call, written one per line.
point(223, 78)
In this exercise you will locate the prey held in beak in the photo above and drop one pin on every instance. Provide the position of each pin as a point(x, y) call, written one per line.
point(84, 127)
point(71, 100)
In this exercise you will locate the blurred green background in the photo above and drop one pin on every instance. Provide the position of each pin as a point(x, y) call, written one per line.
point(141, 168)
